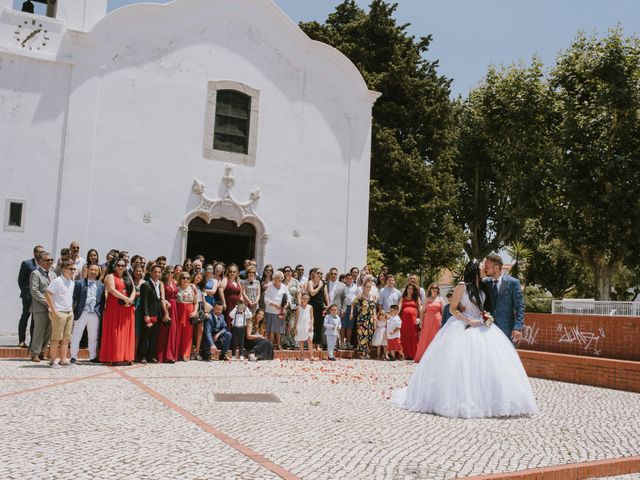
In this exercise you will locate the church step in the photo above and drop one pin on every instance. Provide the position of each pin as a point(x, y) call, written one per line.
point(83, 354)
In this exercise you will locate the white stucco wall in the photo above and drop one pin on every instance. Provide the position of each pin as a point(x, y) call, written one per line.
point(135, 88)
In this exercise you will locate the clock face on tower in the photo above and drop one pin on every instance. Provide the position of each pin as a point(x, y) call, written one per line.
point(31, 35)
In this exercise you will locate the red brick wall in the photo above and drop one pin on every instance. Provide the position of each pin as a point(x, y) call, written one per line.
point(598, 372)
point(590, 335)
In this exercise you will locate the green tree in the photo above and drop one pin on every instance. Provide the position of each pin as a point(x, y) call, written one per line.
point(521, 253)
point(412, 192)
point(594, 207)
point(505, 139)
point(553, 266)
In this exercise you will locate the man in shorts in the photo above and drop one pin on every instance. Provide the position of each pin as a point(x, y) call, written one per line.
point(59, 297)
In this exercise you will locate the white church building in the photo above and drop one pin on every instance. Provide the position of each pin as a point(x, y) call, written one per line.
point(197, 126)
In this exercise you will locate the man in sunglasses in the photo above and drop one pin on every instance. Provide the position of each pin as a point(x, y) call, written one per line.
point(26, 268)
point(59, 296)
point(300, 276)
point(65, 256)
point(39, 280)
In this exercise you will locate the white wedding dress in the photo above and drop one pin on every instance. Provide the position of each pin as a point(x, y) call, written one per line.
point(468, 373)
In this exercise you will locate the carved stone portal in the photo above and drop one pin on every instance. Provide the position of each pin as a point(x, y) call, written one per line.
point(226, 208)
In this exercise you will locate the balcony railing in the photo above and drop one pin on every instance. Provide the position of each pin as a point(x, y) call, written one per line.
point(589, 306)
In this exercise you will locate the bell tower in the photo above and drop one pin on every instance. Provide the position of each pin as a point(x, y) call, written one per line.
point(79, 15)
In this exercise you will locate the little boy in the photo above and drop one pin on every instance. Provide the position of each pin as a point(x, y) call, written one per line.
point(332, 326)
point(394, 347)
point(239, 317)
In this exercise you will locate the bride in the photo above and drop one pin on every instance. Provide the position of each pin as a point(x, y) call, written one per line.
point(471, 369)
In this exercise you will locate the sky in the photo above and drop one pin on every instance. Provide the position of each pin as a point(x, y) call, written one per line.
point(469, 35)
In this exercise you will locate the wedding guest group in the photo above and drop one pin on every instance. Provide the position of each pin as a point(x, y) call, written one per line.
point(136, 309)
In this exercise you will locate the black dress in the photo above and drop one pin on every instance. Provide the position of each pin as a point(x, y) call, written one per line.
point(260, 347)
point(317, 303)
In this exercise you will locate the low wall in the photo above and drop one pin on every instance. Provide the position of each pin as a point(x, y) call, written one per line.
point(589, 335)
point(597, 372)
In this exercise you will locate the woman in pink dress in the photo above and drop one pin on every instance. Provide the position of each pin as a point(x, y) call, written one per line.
point(410, 308)
point(166, 347)
point(431, 320)
point(118, 340)
point(230, 291)
point(187, 302)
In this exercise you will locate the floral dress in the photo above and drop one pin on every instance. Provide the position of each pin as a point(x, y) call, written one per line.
point(364, 325)
point(292, 298)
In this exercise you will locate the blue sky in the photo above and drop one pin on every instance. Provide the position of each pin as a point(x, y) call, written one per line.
point(468, 35)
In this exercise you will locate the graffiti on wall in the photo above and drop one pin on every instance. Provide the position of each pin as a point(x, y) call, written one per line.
point(589, 340)
point(530, 334)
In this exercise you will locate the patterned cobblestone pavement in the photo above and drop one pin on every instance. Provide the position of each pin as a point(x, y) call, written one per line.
point(333, 421)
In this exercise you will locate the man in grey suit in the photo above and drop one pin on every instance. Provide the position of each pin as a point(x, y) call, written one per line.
point(39, 280)
point(337, 291)
point(506, 298)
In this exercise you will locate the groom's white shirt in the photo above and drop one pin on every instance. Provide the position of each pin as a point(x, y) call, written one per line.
point(499, 281)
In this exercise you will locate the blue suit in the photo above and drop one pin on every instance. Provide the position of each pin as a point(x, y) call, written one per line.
point(212, 326)
point(80, 297)
point(26, 268)
point(89, 319)
point(508, 306)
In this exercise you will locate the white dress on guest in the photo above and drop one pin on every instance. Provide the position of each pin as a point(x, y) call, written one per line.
point(379, 338)
point(468, 373)
point(303, 325)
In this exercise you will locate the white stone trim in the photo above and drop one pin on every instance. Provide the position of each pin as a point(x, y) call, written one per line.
point(208, 151)
point(229, 209)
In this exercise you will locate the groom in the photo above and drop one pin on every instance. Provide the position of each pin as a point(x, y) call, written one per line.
point(507, 299)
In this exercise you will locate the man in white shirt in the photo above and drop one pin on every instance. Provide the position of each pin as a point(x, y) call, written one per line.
point(59, 295)
point(301, 278)
point(388, 295)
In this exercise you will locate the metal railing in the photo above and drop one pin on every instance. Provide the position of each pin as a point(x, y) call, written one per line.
point(589, 306)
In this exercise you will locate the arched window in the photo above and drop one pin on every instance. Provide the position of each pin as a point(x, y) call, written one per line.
point(231, 130)
point(231, 126)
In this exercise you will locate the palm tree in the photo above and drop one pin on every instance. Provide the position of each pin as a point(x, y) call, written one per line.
point(520, 254)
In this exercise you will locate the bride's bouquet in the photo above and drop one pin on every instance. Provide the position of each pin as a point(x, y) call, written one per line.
point(487, 319)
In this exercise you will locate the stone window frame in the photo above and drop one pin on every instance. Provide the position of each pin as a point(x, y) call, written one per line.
point(7, 209)
point(208, 151)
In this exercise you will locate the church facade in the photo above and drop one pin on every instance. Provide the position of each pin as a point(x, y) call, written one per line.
point(197, 126)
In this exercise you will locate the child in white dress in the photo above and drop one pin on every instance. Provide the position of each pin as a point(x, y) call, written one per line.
point(304, 325)
point(379, 339)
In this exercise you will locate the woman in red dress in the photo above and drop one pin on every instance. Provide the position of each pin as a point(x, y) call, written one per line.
point(230, 291)
point(186, 302)
point(431, 319)
point(166, 347)
point(409, 309)
point(118, 343)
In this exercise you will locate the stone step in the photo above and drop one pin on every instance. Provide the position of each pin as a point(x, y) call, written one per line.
point(83, 354)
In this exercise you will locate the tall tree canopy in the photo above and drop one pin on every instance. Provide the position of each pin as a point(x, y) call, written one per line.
point(412, 189)
point(595, 205)
point(505, 139)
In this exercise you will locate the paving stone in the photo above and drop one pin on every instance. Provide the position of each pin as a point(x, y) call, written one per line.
point(333, 421)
